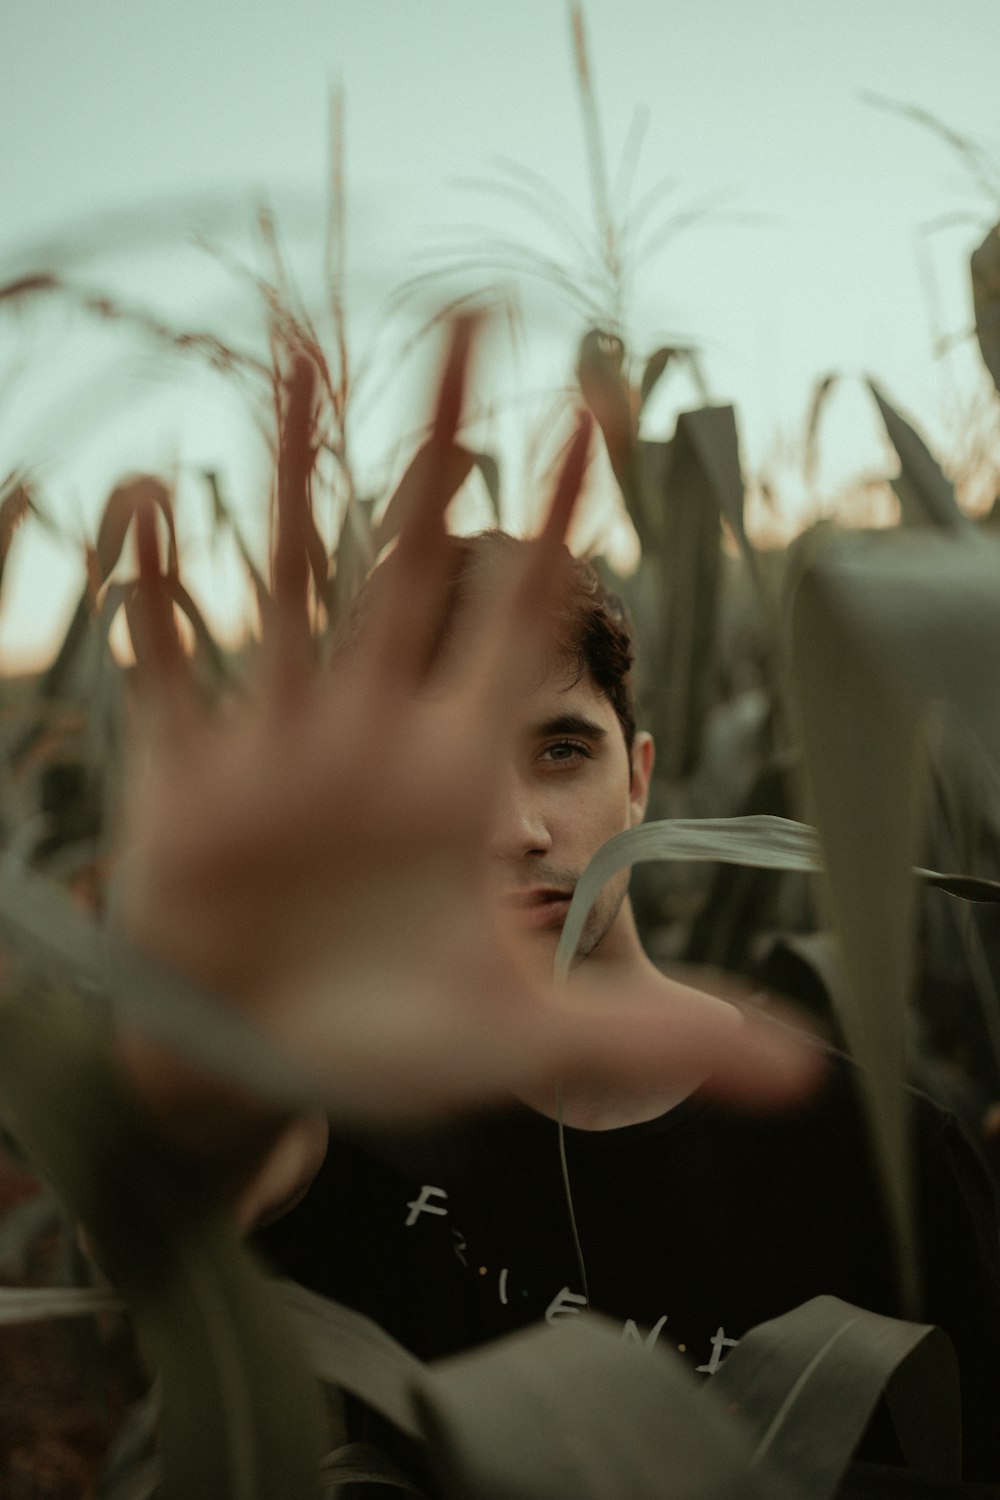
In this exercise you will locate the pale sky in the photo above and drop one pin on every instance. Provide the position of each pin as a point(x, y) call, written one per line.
point(117, 116)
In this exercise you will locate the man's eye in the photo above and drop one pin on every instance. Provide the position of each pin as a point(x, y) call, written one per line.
point(565, 753)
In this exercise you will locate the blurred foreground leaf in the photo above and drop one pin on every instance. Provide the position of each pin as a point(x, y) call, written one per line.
point(53, 938)
point(241, 1414)
point(33, 1304)
point(809, 1382)
point(575, 1413)
point(985, 271)
point(880, 626)
point(346, 1349)
point(858, 726)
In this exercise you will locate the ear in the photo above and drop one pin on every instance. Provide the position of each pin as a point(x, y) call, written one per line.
point(643, 756)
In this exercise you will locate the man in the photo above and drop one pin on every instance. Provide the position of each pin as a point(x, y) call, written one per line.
point(375, 870)
point(686, 1220)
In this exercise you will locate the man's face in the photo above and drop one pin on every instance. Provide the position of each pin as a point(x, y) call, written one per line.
point(569, 784)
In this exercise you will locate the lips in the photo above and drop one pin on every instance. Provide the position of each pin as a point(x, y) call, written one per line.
point(540, 906)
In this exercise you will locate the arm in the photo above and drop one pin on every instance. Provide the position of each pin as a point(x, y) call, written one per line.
point(318, 855)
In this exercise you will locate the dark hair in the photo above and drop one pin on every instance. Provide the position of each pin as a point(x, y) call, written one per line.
point(592, 632)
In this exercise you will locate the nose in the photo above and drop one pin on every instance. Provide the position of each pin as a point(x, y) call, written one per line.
point(520, 828)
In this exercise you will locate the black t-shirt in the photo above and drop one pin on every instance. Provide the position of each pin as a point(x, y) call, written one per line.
point(693, 1228)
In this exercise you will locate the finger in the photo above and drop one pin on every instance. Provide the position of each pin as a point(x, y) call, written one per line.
point(647, 1048)
point(161, 663)
point(569, 483)
point(539, 594)
point(406, 624)
point(744, 1057)
point(510, 644)
point(291, 644)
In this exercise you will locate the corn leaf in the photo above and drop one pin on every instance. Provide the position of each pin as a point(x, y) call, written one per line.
point(132, 1469)
point(355, 556)
point(119, 512)
point(925, 495)
point(15, 505)
point(490, 470)
point(689, 565)
point(808, 1383)
point(653, 371)
point(658, 363)
point(882, 623)
point(858, 725)
point(143, 1482)
point(645, 504)
point(817, 406)
point(710, 433)
point(52, 937)
point(879, 625)
point(927, 605)
point(346, 1349)
point(575, 1413)
point(985, 271)
point(222, 513)
point(363, 1463)
point(448, 477)
point(760, 841)
point(601, 372)
point(241, 1415)
point(37, 1304)
point(21, 1229)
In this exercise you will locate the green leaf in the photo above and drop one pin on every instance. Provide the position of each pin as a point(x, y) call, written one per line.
point(653, 371)
point(925, 495)
point(51, 936)
point(985, 272)
point(646, 505)
point(808, 1383)
point(132, 1469)
point(490, 470)
point(37, 1304)
point(858, 725)
point(710, 433)
point(603, 384)
point(119, 512)
point(576, 1413)
point(683, 490)
point(926, 605)
point(222, 513)
point(21, 1229)
point(15, 505)
point(880, 625)
point(817, 405)
point(346, 1349)
point(362, 1463)
point(355, 555)
point(447, 477)
point(682, 585)
point(241, 1415)
point(657, 364)
point(143, 1482)
point(760, 841)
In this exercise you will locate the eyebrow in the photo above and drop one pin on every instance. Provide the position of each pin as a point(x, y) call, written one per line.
point(576, 724)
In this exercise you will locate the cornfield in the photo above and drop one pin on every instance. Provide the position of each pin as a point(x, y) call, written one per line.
point(825, 823)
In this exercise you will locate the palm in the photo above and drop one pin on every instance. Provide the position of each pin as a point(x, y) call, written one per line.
point(318, 858)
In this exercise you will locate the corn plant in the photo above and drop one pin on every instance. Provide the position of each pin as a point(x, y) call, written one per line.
point(873, 636)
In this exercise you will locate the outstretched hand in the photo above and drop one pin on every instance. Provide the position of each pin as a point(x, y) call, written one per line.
point(317, 855)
